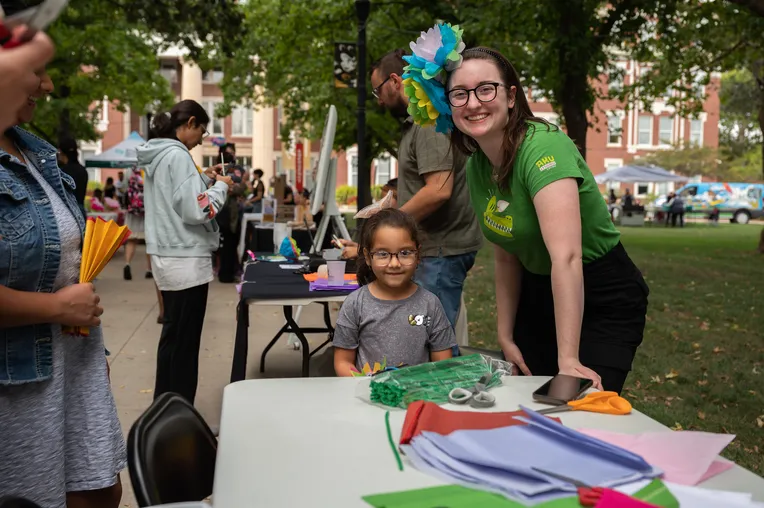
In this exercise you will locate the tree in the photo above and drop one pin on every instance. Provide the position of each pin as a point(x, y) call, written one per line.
point(109, 49)
point(739, 126)
point(705, 37)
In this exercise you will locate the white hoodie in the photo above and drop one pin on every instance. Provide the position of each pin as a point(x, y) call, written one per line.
point(180, 208)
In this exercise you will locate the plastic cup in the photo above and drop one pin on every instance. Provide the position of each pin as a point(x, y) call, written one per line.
point(336, 273)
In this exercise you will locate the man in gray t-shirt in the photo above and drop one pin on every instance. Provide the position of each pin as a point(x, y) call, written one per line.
point(392, 332)
point(432, 188)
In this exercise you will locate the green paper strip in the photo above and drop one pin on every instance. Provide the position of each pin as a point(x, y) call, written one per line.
point(658, 494)
point(455, 496)
point(392, 443)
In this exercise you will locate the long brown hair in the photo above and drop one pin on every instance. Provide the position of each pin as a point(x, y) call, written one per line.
point(519, 115)
point(390, 217)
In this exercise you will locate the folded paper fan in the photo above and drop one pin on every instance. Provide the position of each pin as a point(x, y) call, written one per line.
point(102, 239)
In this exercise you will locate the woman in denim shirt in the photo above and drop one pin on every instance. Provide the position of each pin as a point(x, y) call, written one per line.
point(60, 439)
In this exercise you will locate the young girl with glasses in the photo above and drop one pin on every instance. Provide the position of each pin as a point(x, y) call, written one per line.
point(568, 297)
point(390, 321)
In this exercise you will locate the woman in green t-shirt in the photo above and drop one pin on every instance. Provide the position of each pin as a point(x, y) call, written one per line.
point(568, 297)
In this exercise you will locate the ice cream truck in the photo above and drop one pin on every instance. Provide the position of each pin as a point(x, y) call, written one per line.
point(744, 201)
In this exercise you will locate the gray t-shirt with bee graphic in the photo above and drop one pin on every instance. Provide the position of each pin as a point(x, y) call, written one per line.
point(392, 332)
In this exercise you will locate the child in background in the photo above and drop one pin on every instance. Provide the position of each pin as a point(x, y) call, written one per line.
point(390, 321)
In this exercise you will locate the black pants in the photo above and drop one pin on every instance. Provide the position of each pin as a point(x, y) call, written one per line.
point(178, 353)
point(674, 217)
point(615, 305)
point(229, 262)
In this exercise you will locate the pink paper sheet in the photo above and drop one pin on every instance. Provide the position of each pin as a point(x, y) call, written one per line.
point(686, 457)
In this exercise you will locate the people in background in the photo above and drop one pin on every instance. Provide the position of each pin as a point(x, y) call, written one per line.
point(181, 234)
point(135, 222)
point(69, 163)
point(60, 436)
point(255, 198)
point(612, 199)
point(432, 188)
point(627, 200)
point(109, 190)
point(676, 210)
point(390, 320)
point(120, 186)
point(569, 300)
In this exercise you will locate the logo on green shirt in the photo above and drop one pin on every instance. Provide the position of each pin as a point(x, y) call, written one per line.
point(501, 225)
point(545, 163)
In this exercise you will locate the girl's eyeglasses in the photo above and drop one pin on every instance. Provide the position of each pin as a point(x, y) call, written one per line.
point(405, 257)
point(484, 93)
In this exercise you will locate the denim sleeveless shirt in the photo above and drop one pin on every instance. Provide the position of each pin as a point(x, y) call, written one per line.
point(30, 250)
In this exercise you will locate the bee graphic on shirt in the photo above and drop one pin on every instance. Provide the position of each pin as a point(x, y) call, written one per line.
point(419, 320)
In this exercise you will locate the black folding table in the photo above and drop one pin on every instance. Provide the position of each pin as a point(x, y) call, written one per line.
point(268, 284)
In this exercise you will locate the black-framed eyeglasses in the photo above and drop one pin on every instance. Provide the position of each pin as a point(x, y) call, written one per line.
point(205, 132)
point(485, 92)
point(375, 91)
point(406, 257)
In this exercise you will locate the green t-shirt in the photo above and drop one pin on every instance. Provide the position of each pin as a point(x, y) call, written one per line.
point(508, 218)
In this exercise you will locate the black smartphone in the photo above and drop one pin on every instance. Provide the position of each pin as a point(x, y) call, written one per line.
point(561, 389)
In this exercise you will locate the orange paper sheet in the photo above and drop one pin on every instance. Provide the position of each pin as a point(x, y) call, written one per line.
point(313, 277)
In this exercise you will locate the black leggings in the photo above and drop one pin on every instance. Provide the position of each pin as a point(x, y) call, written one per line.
point(178, 352)
point(615, 305)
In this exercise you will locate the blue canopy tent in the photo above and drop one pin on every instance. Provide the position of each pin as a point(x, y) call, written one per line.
point(635, 173)
point(122, 155)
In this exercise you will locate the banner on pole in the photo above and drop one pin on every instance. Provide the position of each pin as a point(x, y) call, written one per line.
point(299, 170)
point(345, 65)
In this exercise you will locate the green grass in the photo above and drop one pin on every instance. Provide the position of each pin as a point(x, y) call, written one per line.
point(701, 365)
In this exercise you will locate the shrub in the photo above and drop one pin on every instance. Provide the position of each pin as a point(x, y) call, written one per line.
point(376, 192)
point(344, 193)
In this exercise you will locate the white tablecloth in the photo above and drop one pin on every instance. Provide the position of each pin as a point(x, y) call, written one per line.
point(310, 442)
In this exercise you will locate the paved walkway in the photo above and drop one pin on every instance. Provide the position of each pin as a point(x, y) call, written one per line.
point(131, 334)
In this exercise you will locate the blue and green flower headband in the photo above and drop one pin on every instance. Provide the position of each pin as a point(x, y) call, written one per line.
point(437, 50)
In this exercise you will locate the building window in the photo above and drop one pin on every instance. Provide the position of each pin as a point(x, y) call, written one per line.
point(169, 70)
point(280, 115)
point(666, 130)
point(611, 164)
point(209, 161)
point(382, 175)
point(241, 121)
point(645, 131)
point(215, 127)
point(353, 171)
point(696, 132)
point(614, 130)
point(212, 76)
point(641, 189)
point(244, 161)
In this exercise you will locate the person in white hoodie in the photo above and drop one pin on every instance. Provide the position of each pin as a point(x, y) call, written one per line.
point(180, 204)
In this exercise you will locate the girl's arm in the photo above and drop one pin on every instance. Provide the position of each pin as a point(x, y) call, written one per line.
point(436, 356)
point(192, 200)
point(559, 213)
point(75, 305)
point(508, 272)
point(344, 361)
point(257, 197)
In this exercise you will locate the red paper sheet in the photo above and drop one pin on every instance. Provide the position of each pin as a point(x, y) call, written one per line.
point(428, 416)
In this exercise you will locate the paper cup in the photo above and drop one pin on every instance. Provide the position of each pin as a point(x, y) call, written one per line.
point(336, 273)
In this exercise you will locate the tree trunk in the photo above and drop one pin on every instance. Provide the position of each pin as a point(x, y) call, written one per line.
point(364, 178)
point(575, 96)
point(576, 122)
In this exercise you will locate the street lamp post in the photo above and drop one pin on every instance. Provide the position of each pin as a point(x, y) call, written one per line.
point(362, 8)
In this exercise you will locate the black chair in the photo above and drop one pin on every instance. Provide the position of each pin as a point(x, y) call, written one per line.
point(17, 502)
point(171, 453)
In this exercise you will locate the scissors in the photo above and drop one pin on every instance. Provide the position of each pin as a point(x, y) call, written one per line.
point(476, 396)
point(609, 403)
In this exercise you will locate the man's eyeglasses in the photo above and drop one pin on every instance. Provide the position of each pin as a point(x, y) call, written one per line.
point(205, 132)
point(405, 257)
point(484, 93)
point(375, 91)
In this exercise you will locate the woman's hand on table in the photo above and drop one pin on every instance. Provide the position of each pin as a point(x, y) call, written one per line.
point(512, 354)
point(573, 367)
point(77, 305)
point(349, 249)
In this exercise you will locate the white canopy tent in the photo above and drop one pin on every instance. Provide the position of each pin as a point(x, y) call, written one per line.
point(637, 174)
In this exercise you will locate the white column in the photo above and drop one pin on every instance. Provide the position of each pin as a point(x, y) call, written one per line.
point(191, 88)
point(262, 141)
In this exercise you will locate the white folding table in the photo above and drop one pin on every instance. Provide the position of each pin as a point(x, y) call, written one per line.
point(312, 442)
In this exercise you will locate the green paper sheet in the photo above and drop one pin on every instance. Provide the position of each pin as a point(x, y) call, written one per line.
point(455, 496)
point(658, 494)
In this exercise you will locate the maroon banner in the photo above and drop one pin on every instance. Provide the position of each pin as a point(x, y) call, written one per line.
point(298, 167)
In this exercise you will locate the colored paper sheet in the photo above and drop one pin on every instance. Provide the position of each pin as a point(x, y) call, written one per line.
point(427, 416)
point(658, 494)
point(686, 457)
point(454, 496)
point(312, 277)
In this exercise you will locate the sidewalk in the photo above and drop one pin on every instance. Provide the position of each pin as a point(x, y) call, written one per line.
point(131, 334)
